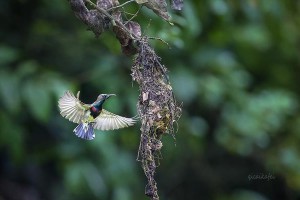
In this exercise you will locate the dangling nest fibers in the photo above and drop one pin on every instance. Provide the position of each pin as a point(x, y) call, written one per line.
point(157, 109)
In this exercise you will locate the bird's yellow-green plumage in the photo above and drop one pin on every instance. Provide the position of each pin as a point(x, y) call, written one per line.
point(90, 116)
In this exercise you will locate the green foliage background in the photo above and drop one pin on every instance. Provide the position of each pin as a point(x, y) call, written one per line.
point(235, 65)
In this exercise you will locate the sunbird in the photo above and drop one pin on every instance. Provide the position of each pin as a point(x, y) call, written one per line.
point(90, 116)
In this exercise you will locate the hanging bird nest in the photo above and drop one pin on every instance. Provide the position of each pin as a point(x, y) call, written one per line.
point(157, 109)
point(156, 105)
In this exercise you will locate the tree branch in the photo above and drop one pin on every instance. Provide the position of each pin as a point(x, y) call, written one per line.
point(113, 20)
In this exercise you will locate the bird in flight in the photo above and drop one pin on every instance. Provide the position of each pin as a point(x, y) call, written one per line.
point(90, 116)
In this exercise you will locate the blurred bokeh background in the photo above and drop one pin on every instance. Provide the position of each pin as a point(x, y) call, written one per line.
point(235, 65)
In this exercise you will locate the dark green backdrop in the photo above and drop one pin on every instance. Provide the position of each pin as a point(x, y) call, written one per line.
point(235, 65)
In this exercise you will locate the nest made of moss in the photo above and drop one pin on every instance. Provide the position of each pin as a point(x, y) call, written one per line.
point(157, 109)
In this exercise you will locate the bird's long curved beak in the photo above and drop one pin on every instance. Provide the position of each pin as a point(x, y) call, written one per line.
point(109, 95)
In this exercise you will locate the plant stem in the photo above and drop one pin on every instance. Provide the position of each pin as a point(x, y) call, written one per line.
point(119, 6)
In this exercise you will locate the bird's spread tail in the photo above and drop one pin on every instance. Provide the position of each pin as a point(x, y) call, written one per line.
point(85, 131)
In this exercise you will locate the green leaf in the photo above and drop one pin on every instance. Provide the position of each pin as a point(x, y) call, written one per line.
point(7, 55)
point(9, 87)
point(37, 99)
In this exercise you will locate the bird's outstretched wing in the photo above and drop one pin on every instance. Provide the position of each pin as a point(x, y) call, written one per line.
point(109, 121)
point(71, 107)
